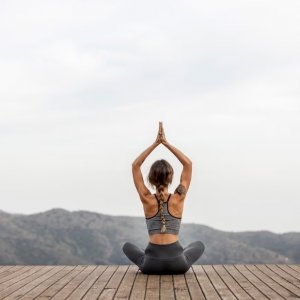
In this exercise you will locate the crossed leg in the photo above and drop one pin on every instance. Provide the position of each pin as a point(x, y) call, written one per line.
point(134, 253)
point(193, 251)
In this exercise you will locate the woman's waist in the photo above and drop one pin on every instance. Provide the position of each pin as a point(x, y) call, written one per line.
point(164, 250)
point(163, 238)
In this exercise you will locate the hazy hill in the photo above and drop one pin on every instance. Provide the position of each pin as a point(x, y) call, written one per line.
point(62, 237)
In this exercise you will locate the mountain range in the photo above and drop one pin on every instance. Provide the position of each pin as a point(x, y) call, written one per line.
point(62, 237)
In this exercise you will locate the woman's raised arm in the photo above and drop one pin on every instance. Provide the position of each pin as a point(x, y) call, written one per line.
point(136, 168)
point(186, 175)
point(141, 158)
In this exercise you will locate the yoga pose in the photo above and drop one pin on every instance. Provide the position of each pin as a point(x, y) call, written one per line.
point(163, 211)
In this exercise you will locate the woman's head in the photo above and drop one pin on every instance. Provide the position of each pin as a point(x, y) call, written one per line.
point(160, 174)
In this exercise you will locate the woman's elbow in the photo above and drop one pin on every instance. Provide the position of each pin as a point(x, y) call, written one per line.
point(135, 164)
point(188, 163)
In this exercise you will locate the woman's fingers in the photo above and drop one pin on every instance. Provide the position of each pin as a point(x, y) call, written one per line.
point(158, 137)
point(162, 133)
point(160, 128)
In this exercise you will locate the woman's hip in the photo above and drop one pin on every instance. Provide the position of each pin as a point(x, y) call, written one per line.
point(172, 265)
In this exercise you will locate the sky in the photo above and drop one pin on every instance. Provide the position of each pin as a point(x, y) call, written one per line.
point(84, 85)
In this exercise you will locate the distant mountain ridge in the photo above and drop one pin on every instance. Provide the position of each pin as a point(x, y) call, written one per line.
point(61, 237)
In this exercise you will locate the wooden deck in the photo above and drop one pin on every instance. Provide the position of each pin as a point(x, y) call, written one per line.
point(261, 281)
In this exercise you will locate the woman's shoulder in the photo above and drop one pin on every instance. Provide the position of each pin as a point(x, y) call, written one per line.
point(149, 199)
point(176, 197)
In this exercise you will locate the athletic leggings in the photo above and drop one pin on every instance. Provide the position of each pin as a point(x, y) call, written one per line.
point(164, 259)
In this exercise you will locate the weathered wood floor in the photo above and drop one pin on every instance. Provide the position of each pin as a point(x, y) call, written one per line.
point(261, 281)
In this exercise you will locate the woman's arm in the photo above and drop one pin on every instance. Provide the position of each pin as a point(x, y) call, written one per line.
point(140, 159)
point(181, 157)
point(142, 190)
point(136, 168)
point(186, 175)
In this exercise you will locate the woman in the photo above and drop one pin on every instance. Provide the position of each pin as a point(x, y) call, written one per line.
point(163, 211)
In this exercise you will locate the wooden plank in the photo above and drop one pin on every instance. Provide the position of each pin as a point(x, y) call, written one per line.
point(100, 283)
point(286, 275)
point(218, 283)
point(113, 284)
point(139, 286)
point(244, 282)
point(125, 286)
point(205, 284)
point(73, 283)
point(260, 281)
point(289, 270)
point(166, 288)
point(180, 287)
point(282, 282)
point(23, 279)
point(152, 289)
point(193, 286)
point(255, 280)
point(10, 270)
point(35, 292)
point(17, 276)
point(295, 267)
point(58, 285)
point(20, 292)
point(234, 287)
point(86, 284)
point(14, 273)
point(270, 281)
point(4, 269)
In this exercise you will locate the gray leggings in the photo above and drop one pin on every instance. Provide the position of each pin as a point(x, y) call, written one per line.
point(164, 259)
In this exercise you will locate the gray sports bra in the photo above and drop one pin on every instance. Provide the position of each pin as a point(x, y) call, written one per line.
point(154, 224)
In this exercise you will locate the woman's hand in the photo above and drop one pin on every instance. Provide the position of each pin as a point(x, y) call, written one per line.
point(161, 138)
point(162, 135)
point(158, 141)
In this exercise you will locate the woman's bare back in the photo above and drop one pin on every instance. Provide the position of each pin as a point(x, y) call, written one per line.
point(175, 207)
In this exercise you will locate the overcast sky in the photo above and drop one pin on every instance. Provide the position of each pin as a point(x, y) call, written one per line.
point(85, 83)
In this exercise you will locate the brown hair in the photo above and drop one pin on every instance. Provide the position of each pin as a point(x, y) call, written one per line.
point(160, 176)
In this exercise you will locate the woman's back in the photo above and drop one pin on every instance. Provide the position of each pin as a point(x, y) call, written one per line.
point(172, 210)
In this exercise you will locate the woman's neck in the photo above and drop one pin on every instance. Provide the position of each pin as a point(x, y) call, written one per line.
point(165, 192)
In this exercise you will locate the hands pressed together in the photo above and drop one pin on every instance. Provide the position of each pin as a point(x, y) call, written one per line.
point(161, 138)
